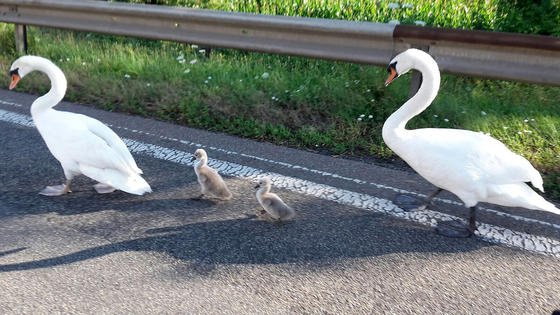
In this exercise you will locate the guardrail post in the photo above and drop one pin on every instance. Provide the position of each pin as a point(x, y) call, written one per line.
point(21, 38)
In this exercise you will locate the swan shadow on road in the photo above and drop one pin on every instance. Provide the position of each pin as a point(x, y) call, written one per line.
point(320, 240)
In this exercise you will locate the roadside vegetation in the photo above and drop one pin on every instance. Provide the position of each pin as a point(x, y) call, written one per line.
point(330, 107)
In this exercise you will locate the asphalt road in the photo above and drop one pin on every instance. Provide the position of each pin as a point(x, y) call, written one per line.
point(350, 250)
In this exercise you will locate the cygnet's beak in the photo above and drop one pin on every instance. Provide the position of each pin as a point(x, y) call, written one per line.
point(193, 158)
point(15, 78)
point(392, 73)
point(257, 186)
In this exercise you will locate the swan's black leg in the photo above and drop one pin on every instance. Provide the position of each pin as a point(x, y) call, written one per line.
point(409, 203)
point(458, 229)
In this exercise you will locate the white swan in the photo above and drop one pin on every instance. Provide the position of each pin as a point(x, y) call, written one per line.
point(81, 144)
point(473, 166)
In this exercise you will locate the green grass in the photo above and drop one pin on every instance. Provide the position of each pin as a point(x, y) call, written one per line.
point(292, 101)
point(521, 16)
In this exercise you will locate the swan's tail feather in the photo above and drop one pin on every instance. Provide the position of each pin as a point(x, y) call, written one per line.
point(131, 183)
point(537, 181)
point(519, 195)
point(548, 206)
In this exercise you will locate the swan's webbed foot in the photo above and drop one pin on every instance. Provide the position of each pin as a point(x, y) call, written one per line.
point(458, 229)
point(57, 190)
point(409, 203)
point(454, 229)
point(103, 188)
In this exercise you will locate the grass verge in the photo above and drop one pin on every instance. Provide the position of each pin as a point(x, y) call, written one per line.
point(319, 105)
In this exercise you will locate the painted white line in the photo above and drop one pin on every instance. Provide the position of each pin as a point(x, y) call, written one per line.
point(488, 232)
point(323, 173)
point(333, 175)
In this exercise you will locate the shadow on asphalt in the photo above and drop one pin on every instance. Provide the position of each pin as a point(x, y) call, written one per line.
point(319, 240)
point(206, 234)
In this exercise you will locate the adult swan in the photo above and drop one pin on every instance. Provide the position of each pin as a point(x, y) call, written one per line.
point(81, 144)
point(473, 166)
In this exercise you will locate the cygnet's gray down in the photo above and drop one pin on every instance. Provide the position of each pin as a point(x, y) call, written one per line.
point(274, 208)
point(211, 183)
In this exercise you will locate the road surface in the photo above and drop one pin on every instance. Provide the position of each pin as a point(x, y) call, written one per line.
point(350, 250)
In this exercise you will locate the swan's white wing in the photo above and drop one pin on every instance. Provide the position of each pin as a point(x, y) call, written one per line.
point(462, 155)
point(77, 139)
point(112, 140)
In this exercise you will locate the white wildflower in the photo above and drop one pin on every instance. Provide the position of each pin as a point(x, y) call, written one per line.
point(180, 57)
point(182, 61)
point(265, 75)
point(436, 116)
point(393, 5)
point(192, 62)
point(83, 63)
point(370, 116)
point(446, 120)
point(194, 46)
point(205, 81)
point(420, 23)
point(187, 70)
point(209, 77)
point(148, 84)
point(127, 76)
point(359, 118)
point(525, 120)
point(483, 113)
point(362, 116)
point(407, 6)
point(202, 51)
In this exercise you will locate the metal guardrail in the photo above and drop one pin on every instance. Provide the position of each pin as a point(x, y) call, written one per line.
point(528, 58)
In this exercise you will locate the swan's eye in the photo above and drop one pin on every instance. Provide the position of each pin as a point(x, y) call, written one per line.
point(15, 71)
point(393, 65)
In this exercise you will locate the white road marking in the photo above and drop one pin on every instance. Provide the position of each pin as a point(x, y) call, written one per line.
point(323, 173)
point(488, 232)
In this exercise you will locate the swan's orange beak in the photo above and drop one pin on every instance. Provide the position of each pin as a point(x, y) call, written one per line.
point(392, 75)
point(15, 80)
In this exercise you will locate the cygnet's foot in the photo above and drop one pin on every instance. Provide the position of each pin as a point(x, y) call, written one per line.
point(261, 214)
point(103, 188)
point(410, 203)
point(199, 197)
point(57, 190)
point(454, 229)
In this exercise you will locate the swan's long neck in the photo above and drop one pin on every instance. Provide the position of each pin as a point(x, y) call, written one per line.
point(201, 162)
point(265, 189)
point(57, 91)
point(395, 125)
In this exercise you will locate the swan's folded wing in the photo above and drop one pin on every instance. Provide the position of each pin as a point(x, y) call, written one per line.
point(502, 166)
point(113, 141)
point(463, 157)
